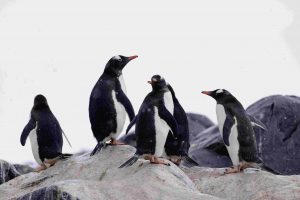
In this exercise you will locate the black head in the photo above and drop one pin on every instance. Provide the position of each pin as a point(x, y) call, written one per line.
point(40, 102)
point(158, 82)
point(116, 64)
point(219, 95)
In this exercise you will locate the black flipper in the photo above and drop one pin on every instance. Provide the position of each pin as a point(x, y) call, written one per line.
point(189, 162)
point(229, 121)
point(29, 127)
point(98, 148)
point(130, 162)
point(123, 99)
point(168, 118)
point(257, 123)
point(131, 125)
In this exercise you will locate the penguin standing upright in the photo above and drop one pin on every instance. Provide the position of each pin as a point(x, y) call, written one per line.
point(153, 123)
point(109, 103)
point(45, 134)
point(236, 130)
point(177, 149)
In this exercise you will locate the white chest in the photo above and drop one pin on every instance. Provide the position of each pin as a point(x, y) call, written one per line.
point(122, 83)
point(221, 116)
point(34, 145)
point(168, 100)
point(121, 116)
point(161, 133)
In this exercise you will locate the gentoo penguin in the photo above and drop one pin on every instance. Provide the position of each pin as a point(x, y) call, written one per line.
point(45, 134)
point(153, 123)
point(236, 130)
point(177, 149)
point(109, 104)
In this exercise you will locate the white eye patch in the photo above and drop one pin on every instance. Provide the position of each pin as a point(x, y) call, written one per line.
point(154, 80)
point(219, 91)
point(117, 58)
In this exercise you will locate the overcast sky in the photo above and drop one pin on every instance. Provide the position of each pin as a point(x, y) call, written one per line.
point(59, 49)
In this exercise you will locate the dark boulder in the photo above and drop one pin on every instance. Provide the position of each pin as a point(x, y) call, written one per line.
point(280, 144)
point(23, 169)
point(7, 172)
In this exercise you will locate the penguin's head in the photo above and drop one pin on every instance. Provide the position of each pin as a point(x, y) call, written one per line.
point(158, 82)
point(219, 95)
point(40, 102)
point(116, 64)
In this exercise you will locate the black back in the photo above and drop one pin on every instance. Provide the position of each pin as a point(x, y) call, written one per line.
point(246, 136)
point(49, 132)
point(102, 112)
point(178, 146)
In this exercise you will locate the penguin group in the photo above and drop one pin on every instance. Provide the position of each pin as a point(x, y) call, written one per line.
point(161, 124)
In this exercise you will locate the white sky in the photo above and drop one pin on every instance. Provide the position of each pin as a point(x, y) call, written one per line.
point(59, 48)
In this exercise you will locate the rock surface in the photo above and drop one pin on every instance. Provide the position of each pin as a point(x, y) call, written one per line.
point(280, 144)
point(7, 172)
point(84, 177)
point(98, 177)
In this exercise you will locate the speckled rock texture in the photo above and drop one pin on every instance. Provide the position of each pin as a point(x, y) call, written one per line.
point(98, 177)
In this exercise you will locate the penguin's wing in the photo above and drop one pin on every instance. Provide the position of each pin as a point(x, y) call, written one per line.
point(256, 122)
point(131, 124)
point(122, 98)
point(229, 121)
point(169, 119)
point(29, 127)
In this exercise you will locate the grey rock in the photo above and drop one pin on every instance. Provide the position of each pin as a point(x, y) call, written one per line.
point(23, 169)
point(279, 146)
point(7, 172)
point(248, 185)
point(98, 177)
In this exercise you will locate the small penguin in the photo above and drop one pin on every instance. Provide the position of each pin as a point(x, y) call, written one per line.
point(236, 130)
point(45, 135)
point(177, 149)
point(153, 123)
point(109, 104)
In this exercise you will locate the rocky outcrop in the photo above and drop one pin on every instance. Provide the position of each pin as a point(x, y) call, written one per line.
point(280, 144)
point(7, 172)
point(86, 178)
point(98, 177)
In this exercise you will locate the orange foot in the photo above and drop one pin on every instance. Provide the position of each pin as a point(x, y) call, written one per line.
point(232, 170)
point(155, 160)
point(40, 168)
point(115, 142)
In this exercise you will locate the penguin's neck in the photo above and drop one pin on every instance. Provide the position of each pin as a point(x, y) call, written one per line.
point(112, 72)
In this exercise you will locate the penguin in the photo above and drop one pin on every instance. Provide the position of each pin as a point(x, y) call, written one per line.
point(177, 149)
point(153, 123)
point(109, 104)
point(45, 135)
point(236, 130)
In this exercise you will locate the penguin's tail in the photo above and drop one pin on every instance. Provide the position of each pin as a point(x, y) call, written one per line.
point(268, 169)
point(189, 162)
point(65, 156)
point(130, 162)
point(98, 148)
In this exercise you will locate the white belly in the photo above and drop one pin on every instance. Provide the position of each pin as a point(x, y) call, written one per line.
point(121, 116)
point(123, 87)
point(233, 148)
point(161, 130)
point(168, 100)
point(221, 116)
point(35, 146)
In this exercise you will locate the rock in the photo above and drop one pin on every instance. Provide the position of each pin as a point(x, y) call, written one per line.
point(197, 124)
point(7, 172)
point(280, 144)
point(98, 177)
point(23, 169)
point(258, 185)
point(208, 149)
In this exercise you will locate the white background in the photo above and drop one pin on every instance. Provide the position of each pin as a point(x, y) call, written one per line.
point(59, 48)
